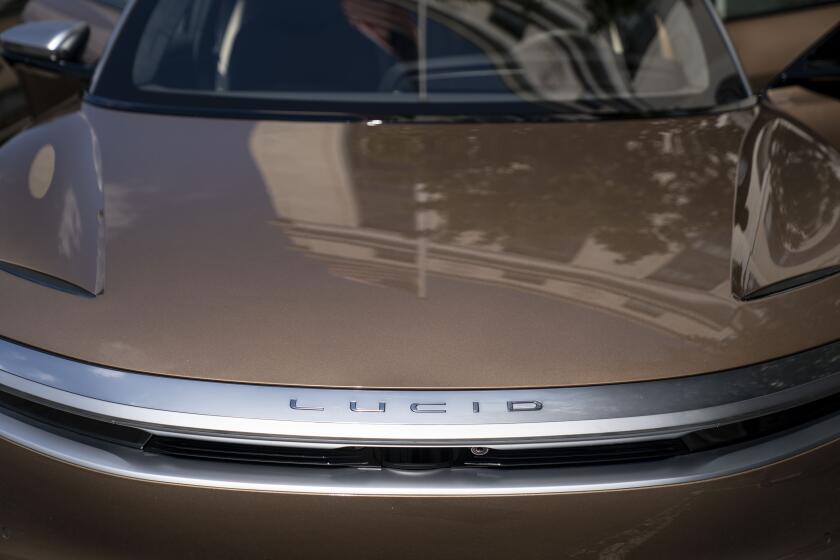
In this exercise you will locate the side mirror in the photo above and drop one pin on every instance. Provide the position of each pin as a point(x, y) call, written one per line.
point(818, 68)
point(54, 46)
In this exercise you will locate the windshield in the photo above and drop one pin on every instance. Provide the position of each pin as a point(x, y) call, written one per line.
point(404, 57)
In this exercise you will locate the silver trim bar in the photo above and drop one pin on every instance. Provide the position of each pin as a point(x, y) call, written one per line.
point(130, 463)
point(496, 418)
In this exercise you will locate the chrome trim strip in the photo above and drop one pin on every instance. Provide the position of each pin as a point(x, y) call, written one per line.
point(133, 464)
point(517, 417)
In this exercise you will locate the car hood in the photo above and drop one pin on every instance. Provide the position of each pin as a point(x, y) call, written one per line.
point(416, 255)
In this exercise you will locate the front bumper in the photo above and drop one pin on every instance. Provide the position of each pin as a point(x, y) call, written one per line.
point(71, 491)
point(49, 509)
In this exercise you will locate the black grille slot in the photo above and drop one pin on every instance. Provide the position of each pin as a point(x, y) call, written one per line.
point(416, 458)
point(55, 419)
point(763, 426)
point(408, 458)
point(586, 455)
point(269, 454)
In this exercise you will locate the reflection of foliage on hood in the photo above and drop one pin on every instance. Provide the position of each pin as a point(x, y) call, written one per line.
point(637, 188)
point(605, 12)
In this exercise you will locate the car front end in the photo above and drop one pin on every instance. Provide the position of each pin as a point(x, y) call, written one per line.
point(458, 279)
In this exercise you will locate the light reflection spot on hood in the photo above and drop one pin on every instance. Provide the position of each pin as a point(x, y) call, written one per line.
point(41, 172)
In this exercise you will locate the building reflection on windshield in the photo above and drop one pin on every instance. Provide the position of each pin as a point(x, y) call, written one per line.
point(561, 51)
point(540, 57)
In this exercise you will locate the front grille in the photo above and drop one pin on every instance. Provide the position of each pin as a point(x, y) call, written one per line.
point(417, 458)
point(73, 425)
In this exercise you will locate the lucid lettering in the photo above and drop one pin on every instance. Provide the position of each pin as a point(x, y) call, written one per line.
point(524, 406)
point(428, 408)
point(293, 404)
point(354, 407)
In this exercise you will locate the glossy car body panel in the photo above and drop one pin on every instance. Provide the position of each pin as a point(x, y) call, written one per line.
point(785, 217)
point(54, 226)
point(818, 113)
point(510, 255)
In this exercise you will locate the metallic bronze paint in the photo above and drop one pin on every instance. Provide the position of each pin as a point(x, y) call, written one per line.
point(423, 255)
point(432, 257)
